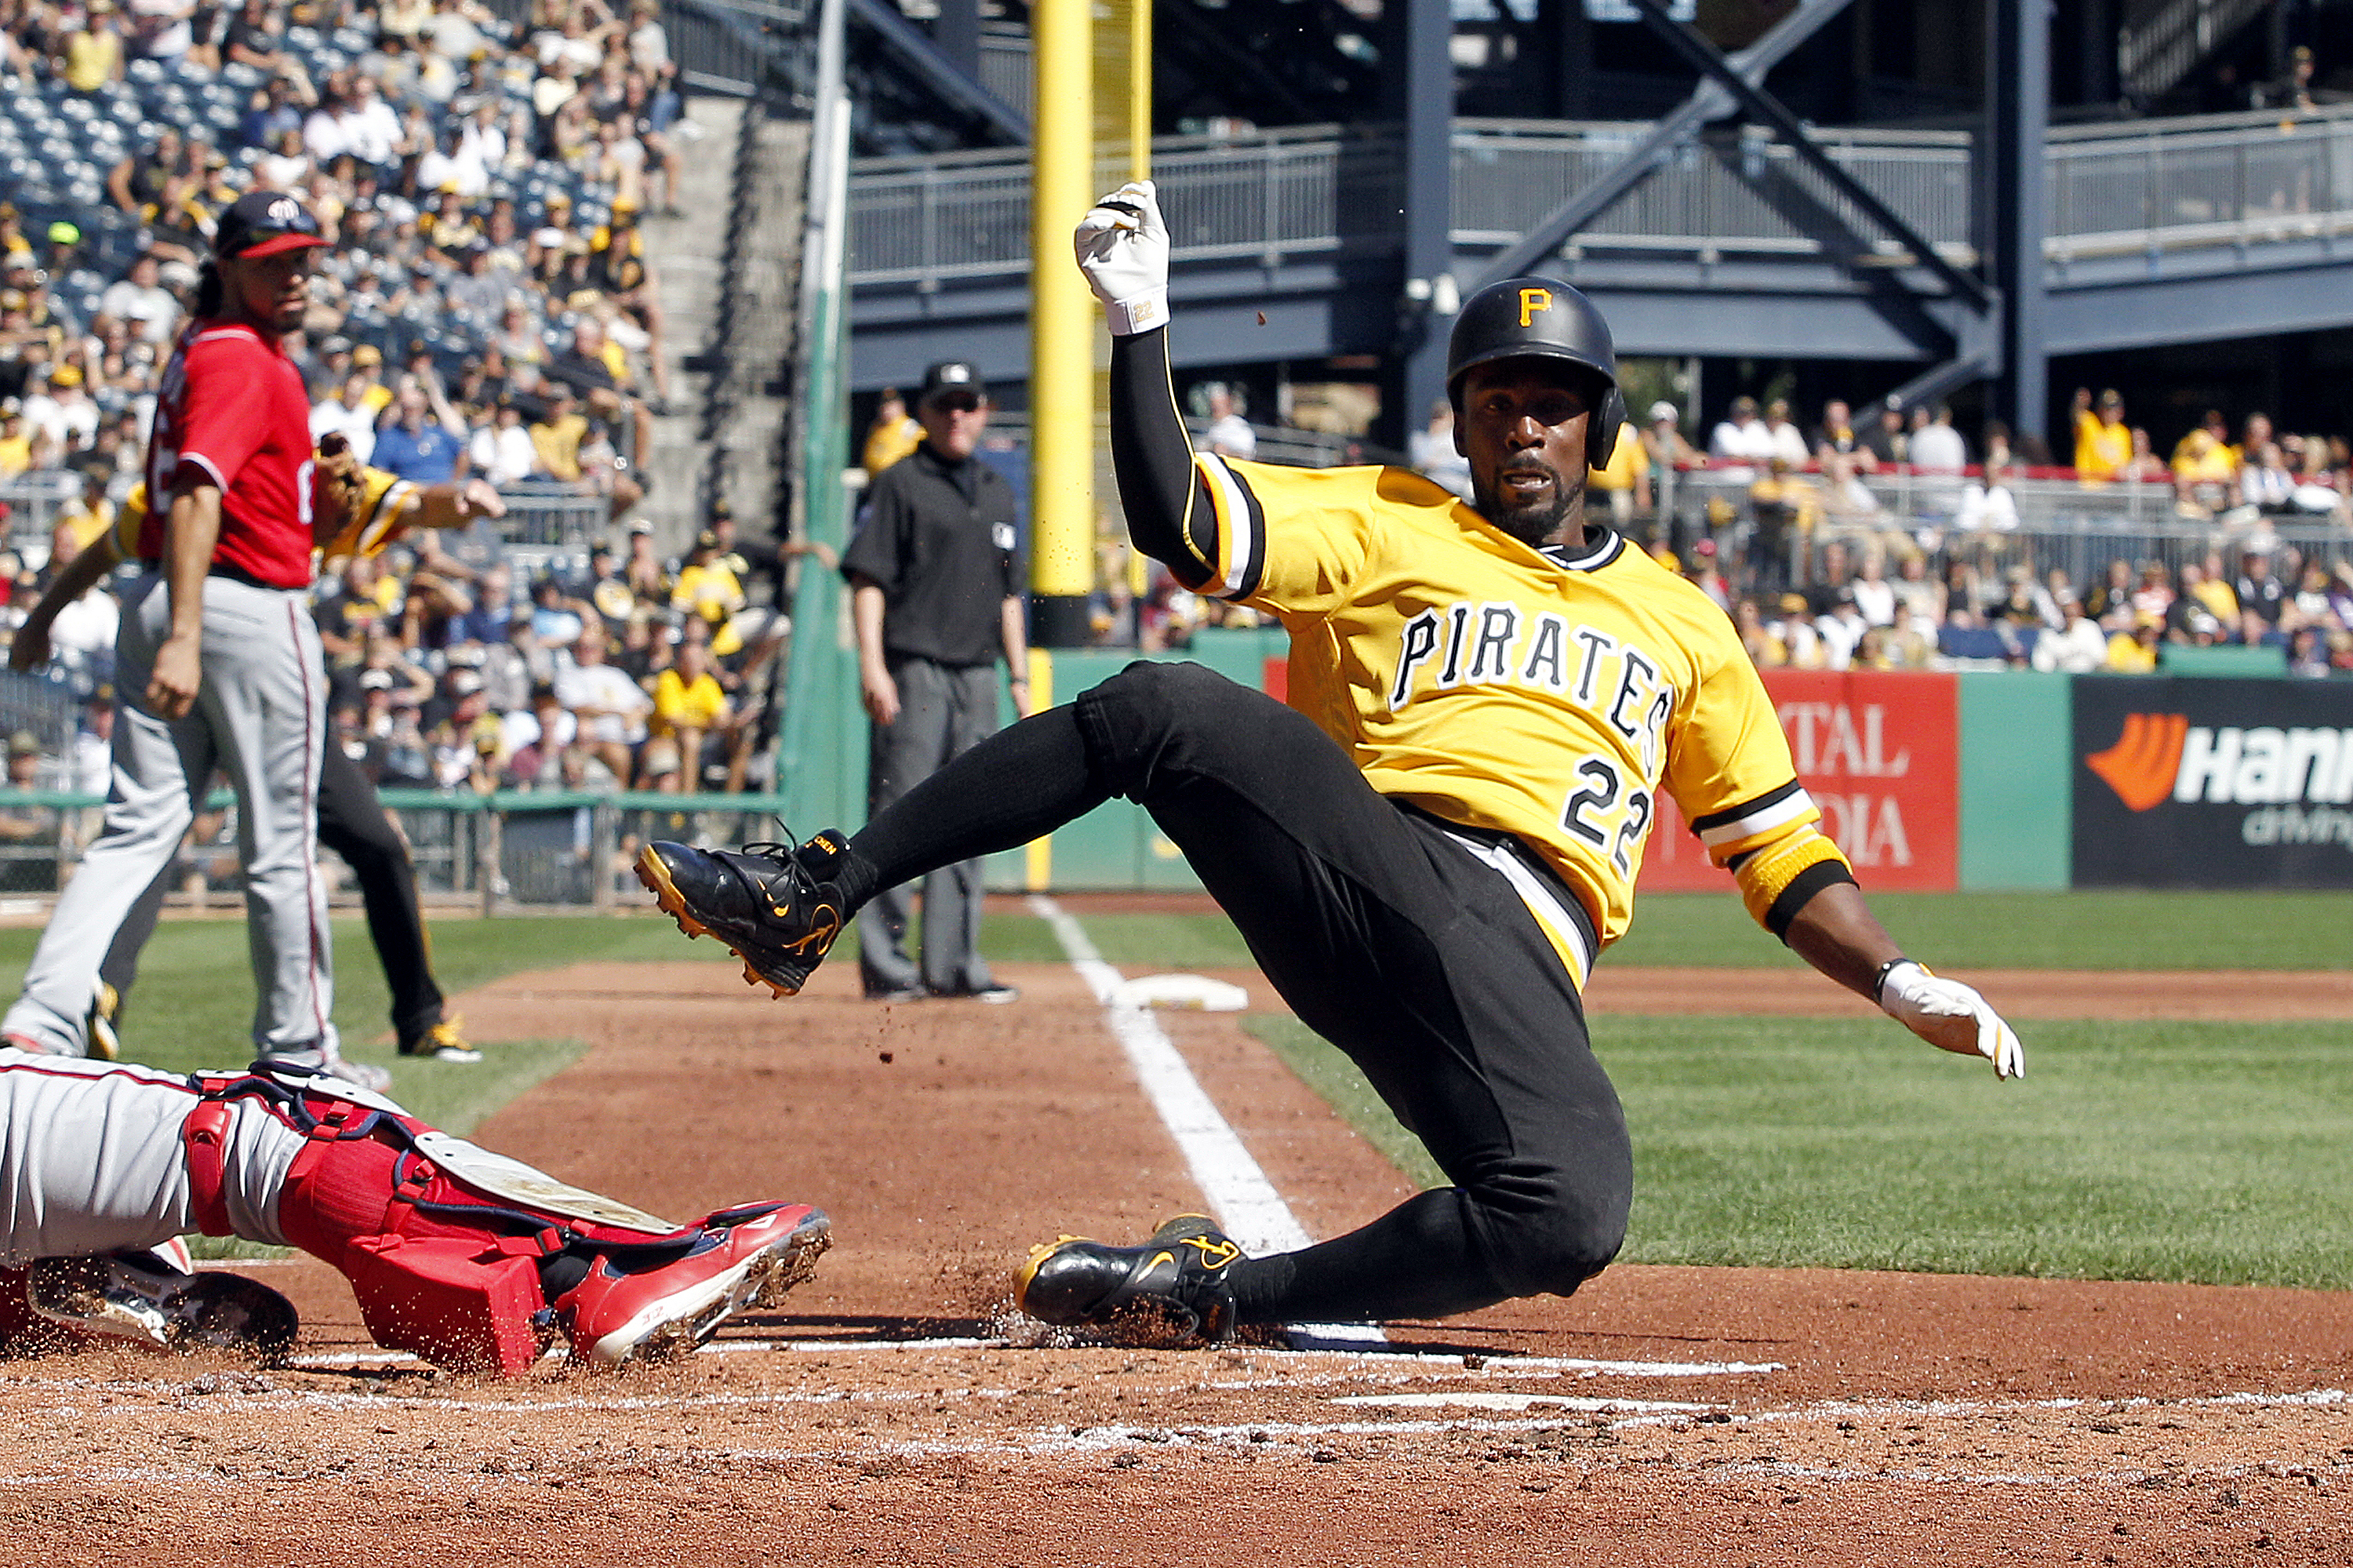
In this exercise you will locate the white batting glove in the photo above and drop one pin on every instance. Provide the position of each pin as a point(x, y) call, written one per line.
point(1950, 1016)
point(1123, 248)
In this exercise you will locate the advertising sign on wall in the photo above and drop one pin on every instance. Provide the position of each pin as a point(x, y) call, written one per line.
point(2212, 783)
point(1877, 750)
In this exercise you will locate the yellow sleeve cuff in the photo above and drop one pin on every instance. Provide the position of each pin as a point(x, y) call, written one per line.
point(1776, 881)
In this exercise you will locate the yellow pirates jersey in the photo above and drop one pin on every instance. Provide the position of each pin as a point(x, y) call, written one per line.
point(1498, 688)
point(376, 522)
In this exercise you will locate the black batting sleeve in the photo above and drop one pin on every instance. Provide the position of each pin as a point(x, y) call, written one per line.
point(1169, 513)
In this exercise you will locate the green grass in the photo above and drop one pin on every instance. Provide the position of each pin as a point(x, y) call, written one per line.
point(2219, 1155)
point(2092, 930)
point(193, 1006)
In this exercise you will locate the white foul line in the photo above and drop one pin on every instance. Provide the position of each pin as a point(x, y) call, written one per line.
point(1246, 1202)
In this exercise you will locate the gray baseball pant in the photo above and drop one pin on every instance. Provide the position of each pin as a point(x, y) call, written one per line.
point(258, 718)
point(91, 1161)
point(945, 710)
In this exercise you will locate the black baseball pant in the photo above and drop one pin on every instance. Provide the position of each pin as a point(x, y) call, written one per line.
point(1385, 936)
point(353, 823)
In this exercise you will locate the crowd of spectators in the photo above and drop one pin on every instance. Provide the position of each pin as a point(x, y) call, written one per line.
point(487, 309)
point(1820, 570)
point(451, 671)
point(489, 304)
point(1886, 539)
point(633, 673)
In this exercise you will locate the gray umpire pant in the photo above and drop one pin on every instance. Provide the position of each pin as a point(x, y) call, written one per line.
point(260, 719)
point(945, 710)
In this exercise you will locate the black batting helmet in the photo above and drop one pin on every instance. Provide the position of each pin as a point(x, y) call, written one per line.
point(1545, 319)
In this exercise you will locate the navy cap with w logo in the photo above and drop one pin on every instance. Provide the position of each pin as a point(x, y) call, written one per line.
point(263, 223)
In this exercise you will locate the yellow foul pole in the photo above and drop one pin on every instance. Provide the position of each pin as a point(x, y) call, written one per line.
point(1139, 90)
point(1061, 327)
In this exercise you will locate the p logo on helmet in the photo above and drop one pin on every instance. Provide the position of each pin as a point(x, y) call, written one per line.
point(1538, 317)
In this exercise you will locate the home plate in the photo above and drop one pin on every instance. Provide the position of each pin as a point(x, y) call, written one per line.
point(1198, 992)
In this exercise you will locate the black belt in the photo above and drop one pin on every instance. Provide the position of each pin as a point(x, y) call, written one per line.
point(225, 572)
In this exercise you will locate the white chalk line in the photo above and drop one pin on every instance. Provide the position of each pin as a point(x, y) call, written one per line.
point(1246, 1202)
point(1060, 1440)
point(1439, 1362)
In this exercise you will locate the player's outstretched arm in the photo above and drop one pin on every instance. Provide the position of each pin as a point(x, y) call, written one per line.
point(1836, 932)
point(1123, 250)
point(30, 649)
point(455, 506)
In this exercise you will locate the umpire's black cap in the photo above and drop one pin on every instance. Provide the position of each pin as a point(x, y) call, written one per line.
point(950, 378)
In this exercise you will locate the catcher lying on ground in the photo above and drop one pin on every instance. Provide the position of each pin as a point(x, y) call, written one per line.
point(465, 1257)
point(1428, 850)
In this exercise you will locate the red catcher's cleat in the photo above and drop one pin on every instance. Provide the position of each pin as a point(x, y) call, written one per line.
point(746, 1256)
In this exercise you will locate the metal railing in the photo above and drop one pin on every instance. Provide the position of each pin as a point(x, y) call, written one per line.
point(516, 848)
point(2144, 186)
point(1730, 193)
point(2212, 180)
point(1278, 194)
point(720, 45)
point(34, 500)
point(2078, 528)
point(1318, 189)
point(558, 518)
point(731, 46)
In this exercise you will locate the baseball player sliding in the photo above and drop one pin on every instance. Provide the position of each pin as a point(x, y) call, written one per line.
point(217, 657)
point(471, 1260)
point(1428, 849)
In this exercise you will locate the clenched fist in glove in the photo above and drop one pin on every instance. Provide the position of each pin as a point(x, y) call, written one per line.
point(1951, 1016)
point(1123, 248)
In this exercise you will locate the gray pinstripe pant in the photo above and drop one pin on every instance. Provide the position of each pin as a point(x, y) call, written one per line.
point(258, 718)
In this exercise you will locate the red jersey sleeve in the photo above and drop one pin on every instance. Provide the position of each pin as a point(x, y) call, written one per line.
point(225, 407)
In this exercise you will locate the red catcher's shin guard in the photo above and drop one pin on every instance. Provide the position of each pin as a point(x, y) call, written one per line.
point(455, 1303)
point(464, 1297)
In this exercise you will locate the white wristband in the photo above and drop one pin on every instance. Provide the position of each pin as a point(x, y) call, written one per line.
point(1140, 313)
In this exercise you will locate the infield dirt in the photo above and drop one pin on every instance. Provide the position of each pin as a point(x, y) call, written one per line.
point(894, 1412)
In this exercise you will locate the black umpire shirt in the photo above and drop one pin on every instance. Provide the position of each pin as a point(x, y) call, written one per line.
point(938, 539)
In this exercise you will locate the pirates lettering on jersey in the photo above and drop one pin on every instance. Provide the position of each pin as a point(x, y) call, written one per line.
point(1549, 696)
point(1483, 644)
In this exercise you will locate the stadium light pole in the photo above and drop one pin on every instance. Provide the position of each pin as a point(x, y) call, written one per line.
point(1061, 327)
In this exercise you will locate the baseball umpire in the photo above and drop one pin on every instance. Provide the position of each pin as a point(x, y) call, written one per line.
point(218, 657)
point(359, 511)
point(1424, 852)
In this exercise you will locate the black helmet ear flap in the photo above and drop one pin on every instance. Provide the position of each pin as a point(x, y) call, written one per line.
point(1601, 429)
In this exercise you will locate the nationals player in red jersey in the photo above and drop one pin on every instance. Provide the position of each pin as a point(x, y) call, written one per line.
point(217, 658)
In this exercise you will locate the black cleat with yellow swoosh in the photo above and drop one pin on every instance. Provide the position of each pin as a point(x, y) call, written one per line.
point(1181, 1271)
point(761, 900)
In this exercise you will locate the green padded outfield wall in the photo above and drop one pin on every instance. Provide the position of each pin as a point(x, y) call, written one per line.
point(2017, 820)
